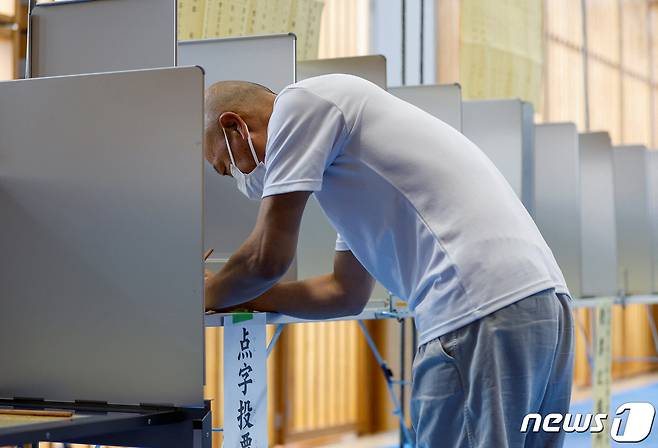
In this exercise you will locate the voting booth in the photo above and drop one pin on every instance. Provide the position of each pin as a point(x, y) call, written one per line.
point(266, 60)
point(597, 216)
point(92, 36)
point(504, 131)
point(653, 205)
point(371, 67)
point(442, 101)
point(633, 219)
point(230, 217)
point(113, 322)
point(557, 197)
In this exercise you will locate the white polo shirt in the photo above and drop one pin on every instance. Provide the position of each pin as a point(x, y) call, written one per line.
point(418, 204)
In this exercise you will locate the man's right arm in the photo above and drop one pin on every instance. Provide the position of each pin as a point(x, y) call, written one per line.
point(344, 292)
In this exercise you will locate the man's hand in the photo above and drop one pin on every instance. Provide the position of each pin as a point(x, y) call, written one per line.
point(207, 275)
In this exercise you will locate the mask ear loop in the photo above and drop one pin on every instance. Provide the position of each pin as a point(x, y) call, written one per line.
point(228, 146)
point(251, 146)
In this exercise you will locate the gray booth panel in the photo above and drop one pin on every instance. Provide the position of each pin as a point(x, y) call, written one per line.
point(557, 196)
point(266, 60)
point(504, 130)
point(372, 68)
point(597, 216)
point(653, 194)
point(101, 242)
point(92, 36)
point(633, 219)
point(317, 237)
point(442, 101)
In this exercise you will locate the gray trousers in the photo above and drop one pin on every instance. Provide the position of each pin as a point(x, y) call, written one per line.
point(473, 386)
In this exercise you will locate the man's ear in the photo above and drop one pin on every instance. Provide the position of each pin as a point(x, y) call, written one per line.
point(231, 120)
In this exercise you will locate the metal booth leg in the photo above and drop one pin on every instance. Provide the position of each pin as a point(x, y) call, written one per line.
point(388, 375)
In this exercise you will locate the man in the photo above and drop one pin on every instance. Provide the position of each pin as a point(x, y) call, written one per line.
point(420, 208)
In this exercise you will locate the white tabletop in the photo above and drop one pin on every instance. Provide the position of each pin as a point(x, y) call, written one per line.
point(217, 319)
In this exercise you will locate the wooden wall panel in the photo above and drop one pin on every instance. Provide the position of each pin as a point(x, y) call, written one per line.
point(9, 10)
point(344, 29)
point(635, 36)
point(447, 51)
point(389, 340)
point(637, 339)
point(654, 117)
point(321, 389)
point(9, 47)
point(605, 99)
point(636, 111)
point(630, 337)
point(582, 370)
point(652, 23)
point(563, 21)
point(603, 29)
point(564, 85)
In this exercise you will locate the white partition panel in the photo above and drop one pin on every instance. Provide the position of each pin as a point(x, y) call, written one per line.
point(598, 227)
point(101, 241)
point(633, 219)
point(653, 195)
point(557, 197)
point(504, 130)
point(372, 68)
point(92, 36)
point(317, 237)
point(442, 101)
point(267, 60)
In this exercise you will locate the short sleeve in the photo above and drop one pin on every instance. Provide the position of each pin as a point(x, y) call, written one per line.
point(304, 134)
point(341, 245)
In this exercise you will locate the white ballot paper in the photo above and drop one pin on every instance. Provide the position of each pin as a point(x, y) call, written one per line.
point(245, 381)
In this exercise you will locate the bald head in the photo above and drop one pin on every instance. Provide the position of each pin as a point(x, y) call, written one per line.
point(246, 99)
point(241, 109)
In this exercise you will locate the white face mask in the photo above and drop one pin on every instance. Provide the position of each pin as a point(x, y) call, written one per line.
point(249, 184)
